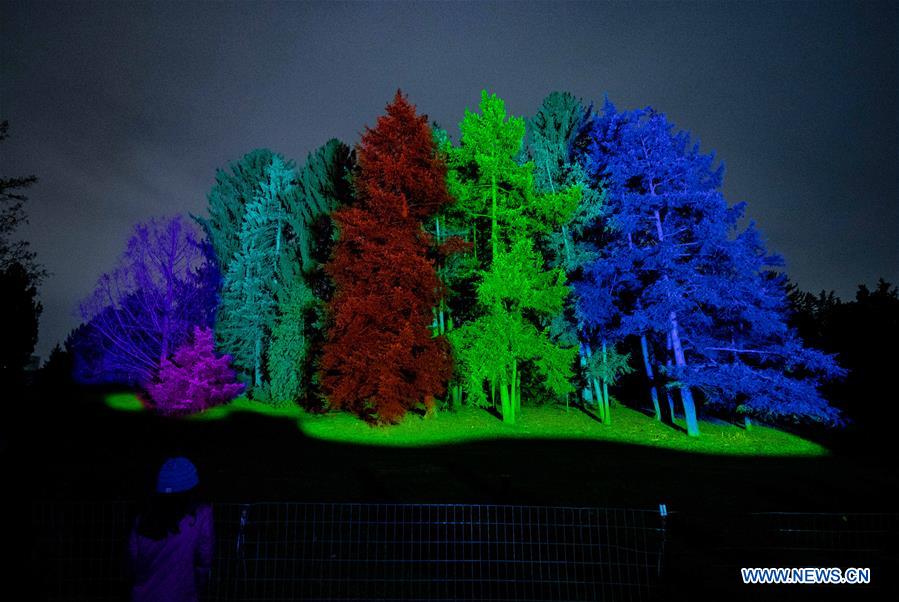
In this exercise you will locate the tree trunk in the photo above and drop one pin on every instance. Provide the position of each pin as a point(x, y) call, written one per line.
point(505, 401)
point(605, 386)
point(493, 227)
point(685, 394)
point(587, 394)
point(257, 356)
point(647, 365)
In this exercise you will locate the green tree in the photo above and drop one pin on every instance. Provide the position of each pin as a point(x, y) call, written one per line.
point(517, 298)
point(290, 342)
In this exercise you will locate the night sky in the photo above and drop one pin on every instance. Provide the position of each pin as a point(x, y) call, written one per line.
point(124, 111)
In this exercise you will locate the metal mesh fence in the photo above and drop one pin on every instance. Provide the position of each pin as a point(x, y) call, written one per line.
point(314, 551)
point(306, 551)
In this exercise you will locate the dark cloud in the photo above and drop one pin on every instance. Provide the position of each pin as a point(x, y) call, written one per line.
point(125, 110)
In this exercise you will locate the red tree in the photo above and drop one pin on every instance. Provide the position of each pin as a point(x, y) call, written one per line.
point(381, 358)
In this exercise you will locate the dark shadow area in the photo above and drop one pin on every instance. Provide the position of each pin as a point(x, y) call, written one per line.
point(83, 451)
point(590, 414)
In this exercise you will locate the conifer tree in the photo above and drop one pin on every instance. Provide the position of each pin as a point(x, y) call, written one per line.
point(194, 378)
point(320, 186)
point(517, 298)
point(678, 273)
point(248, 305)
point(553, 136)
point(290, 342)
point(380, 358)
point(227, 203)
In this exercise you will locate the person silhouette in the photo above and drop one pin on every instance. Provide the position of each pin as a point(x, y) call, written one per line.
point(171, 543)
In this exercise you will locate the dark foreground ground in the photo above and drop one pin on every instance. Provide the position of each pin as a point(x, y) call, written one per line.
point(84, 451)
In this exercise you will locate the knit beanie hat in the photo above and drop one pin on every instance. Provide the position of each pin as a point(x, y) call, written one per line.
point(176, 475)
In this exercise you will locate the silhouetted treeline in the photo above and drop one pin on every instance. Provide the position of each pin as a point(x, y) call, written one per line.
point(863, 333)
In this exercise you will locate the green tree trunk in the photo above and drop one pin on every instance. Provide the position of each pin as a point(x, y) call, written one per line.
point(605, 386)
point(493, 228)
point(505, 401)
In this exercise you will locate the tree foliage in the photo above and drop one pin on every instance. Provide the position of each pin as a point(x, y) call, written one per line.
point(380, 358)
point(194, 378)
point(516, 297)
point(675, 268)
point(290, 342)
point(248, 306)
point(140, 312)
point(234, 189)
point(20, 275)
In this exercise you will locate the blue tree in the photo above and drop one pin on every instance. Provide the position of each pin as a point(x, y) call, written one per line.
point(675, 268)
point(140, 312)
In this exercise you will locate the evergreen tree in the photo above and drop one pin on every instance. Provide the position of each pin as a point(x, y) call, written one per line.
point(553, 136)
point(228, 199)
point(290, 342)
point(516, 297)
point(675, 270)
point(194, 378)
point(21, 311)
point(248, 306)
point(20, 276)
point(380, 359)
point(322, 185)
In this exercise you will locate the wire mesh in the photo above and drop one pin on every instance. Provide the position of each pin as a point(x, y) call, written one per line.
point(317, 551)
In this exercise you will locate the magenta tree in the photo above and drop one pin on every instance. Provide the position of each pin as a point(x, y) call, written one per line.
point(194, 378)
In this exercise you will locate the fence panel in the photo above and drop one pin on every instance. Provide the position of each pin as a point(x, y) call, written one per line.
point(314, 551)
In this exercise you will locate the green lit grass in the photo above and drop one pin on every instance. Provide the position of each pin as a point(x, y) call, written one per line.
point(546, 422)
point(124, 402)
point(242, 404)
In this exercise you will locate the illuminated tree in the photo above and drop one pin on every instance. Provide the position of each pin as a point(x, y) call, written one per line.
point(322, 185)
point(194, 378)
point(248, 305)
point(380, 358)
point(290, 342)
point(143, 310)
point(553, 135)
point(516, 297)
point(227, 203)
point(680, 275)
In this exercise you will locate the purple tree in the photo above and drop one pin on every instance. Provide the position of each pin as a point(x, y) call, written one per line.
point(194, 378)
point(166, 283)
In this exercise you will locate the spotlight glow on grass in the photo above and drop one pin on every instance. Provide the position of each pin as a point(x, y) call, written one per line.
point(545, 422)
point(124, 402)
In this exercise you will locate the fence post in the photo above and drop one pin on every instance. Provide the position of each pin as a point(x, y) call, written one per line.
point(663, 513)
